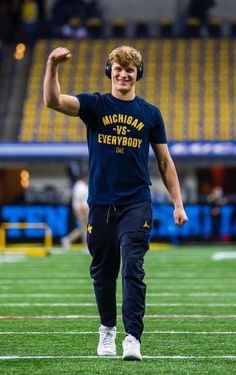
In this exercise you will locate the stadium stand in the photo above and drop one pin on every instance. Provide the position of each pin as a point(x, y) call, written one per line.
point(214, 26)
point(166, 27)
point(95, 27)
point(233, 27)
point(192, 28)
point(193, 82)
point(142, 28)
point(118, 27)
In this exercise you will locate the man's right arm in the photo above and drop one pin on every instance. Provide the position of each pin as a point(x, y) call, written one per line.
point(53, 98)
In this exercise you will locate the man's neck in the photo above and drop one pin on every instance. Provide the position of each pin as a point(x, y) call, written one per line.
point(123, 96)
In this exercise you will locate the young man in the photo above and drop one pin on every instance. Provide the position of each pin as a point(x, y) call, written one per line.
point(120, 129)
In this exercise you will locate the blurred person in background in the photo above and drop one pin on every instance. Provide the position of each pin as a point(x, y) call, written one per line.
point(201, 10)
point(120, 127)
point(69, 17)
point(30, 17)
point(33, 18)
point(217, 200)
point(10, 20)
point(80, 211)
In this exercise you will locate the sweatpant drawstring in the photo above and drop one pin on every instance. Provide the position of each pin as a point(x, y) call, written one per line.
point(109, 210)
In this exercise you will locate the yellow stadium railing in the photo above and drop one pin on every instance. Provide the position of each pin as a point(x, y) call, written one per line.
point(43, 249)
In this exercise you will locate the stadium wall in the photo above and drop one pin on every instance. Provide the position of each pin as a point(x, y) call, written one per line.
point(201, 226)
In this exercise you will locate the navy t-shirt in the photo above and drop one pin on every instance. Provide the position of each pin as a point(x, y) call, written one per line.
point(119, 134)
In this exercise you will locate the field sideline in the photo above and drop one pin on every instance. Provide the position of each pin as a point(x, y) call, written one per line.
point(49, 321)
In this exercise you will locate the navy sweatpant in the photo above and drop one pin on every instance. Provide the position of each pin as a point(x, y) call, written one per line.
point(118, 233)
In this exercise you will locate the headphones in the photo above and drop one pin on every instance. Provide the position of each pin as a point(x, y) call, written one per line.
point(139, 70)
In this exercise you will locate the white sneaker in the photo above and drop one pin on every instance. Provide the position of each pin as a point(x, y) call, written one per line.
point(131, 349)
point(107, 345)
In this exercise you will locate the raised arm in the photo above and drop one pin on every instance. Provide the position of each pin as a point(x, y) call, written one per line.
point(53, 98)
point(169, 176)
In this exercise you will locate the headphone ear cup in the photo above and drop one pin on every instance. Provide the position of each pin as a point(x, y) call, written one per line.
point(140, 72)
point(108, 70)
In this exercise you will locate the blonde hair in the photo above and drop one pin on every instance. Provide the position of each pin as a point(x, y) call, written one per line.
point(124, 55)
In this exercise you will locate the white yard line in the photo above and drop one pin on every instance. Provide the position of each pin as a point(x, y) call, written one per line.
point(87, 280)
point(180, 287)
point(66, 333)
point(46, 287)
point(91, 304)
point(153, 316)
point(4, 258)
point(178, 357)
point(48, 295)
point(46, 281)
point(82, 295)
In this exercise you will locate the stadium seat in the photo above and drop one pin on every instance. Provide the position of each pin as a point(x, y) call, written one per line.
point(233, 27)
point(214, 26)
point(192, 28)
point(166, 27)
point(118, 27)
point(95, 27)
point(141, 29)
point(192, 81)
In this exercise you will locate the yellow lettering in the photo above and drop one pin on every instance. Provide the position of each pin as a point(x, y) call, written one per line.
point(120, 118)
point(135, 142)
point(105, 120)
point(108, 139)
point(119, 140)
point(129, 120)
point(114, 118)
point(119, 129)
point(124, 130)
point(139, 142)
point(134, 123)
point(130, 142)
point(140, 126)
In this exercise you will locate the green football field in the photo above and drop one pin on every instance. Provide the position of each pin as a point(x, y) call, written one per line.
point(49, 322)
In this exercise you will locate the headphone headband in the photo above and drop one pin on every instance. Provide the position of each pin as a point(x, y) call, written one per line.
point(108, 68)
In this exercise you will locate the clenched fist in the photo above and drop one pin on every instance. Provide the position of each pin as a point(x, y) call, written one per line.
point(59, 55)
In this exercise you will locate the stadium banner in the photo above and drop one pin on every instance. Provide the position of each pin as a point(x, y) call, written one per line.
point(202, 224)
point(68, 150)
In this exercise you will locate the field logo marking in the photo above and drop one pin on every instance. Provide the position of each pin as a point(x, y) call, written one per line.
point(221, 255)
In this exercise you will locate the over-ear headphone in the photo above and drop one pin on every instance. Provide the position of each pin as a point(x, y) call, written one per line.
point(139, 70)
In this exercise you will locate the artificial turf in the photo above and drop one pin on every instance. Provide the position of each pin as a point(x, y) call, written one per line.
point(49, 321)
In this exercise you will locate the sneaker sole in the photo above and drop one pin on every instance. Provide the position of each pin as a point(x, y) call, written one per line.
point(106, 354)
point(132, 358)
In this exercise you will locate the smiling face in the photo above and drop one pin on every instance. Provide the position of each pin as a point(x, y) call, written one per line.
point(124, 61)
point(123, 79)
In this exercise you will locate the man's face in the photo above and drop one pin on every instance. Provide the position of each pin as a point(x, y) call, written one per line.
point(123, 78)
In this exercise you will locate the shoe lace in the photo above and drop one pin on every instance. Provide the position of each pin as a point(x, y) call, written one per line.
point(131, 341)
point(107, 339)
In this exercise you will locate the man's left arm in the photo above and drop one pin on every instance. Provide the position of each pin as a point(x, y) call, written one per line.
point(169, 176)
